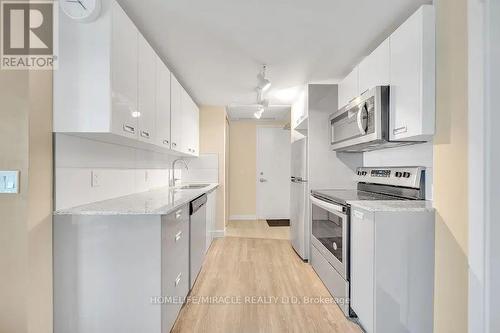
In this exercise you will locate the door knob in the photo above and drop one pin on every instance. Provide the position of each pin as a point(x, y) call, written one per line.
point(263, 180)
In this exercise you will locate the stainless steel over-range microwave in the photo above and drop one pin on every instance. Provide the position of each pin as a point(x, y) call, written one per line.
point(363, 124)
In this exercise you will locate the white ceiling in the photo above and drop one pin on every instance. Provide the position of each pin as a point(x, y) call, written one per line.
point(216, 48)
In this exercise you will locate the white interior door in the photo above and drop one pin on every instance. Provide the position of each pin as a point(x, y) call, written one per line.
point(273, 173)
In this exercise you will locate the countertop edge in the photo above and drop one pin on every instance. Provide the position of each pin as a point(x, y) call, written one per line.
point(163, 210)
point(393, 205)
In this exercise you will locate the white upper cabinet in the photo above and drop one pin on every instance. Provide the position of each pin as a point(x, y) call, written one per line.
point(124, 54)
point(176, 114)
point(299, 111)
point(146, 91)
point(349, 87)
point(406, 62)
point(190, 128)
point(374, 70)
point(195, 135)
point(162, 104)
point(112, 86)
point(412, 94)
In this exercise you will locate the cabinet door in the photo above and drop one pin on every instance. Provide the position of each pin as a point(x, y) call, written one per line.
point(362, 267)
point(211, 217)
point(146, 90)
point(175, 262)
point(374, 70)
point(349, 87)
point(162, 104)
point(196, 129)
point(176, 114)
point(412, 78)
point(124, 74)
point(299, 110)
point(188, 128)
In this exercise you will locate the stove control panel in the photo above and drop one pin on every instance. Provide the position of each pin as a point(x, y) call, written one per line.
point(394, 176)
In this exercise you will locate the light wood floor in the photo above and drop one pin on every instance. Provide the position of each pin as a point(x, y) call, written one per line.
point(244, 267)
point(256, 229)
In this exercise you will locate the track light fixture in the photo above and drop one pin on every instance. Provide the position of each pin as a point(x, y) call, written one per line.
point(264, 83)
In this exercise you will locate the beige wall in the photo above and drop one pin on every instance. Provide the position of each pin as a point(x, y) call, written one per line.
point(213, 140)
point(26, 220)
point(242, 166)
point(450, 168)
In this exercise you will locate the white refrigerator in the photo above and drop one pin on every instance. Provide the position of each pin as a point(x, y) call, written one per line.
point(299, 223)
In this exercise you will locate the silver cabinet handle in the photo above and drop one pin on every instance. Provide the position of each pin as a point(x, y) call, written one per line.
point(165, 142)
point(178, 236)
point(178, 214)
point(128, 128)
point(178, 279)
point(174, 144)
point(145, 134)
point(398, 130)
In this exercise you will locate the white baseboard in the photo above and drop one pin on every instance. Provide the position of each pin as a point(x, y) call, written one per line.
point(218, 233)
point(242, 217)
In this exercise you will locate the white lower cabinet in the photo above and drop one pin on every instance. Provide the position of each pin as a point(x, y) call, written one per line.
point(175, 264)
point(211, 216)
point(392, 270)
point(362, 262)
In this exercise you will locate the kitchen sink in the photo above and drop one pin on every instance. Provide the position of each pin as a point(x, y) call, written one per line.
point(192, 186)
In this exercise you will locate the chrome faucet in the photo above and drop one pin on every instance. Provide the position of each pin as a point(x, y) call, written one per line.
point(172, 176)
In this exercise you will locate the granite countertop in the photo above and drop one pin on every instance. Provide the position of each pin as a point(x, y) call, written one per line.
point(393, 205)
point(161, 201)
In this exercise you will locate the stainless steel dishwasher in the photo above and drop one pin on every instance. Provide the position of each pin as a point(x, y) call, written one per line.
point(197, 236)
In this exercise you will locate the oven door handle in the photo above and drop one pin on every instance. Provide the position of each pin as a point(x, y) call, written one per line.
point(328, 206)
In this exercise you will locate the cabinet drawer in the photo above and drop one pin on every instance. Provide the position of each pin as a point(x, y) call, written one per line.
point(172, 221)
point(332, 280)
point(175, 264)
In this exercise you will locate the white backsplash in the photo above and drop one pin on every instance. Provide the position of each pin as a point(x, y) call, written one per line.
point(120, 170)
point(413, 155)
point(204, 169)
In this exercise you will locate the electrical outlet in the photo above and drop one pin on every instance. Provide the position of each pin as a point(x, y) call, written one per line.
point(95, 179)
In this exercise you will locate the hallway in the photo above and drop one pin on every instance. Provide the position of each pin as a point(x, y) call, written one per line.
point(260, 276)
point(256, 229)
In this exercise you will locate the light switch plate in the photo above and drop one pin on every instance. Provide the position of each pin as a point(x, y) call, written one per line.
point(9, 181)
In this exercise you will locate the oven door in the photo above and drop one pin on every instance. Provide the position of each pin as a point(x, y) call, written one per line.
point(330, 233)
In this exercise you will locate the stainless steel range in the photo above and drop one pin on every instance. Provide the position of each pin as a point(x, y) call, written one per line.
point(330, 215)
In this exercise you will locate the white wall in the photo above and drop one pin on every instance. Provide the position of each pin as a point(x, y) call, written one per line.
point(414, 155)
point(120, 170)
point(203, 169)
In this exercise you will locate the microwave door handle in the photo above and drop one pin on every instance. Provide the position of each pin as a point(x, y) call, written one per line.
point(362, 129)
